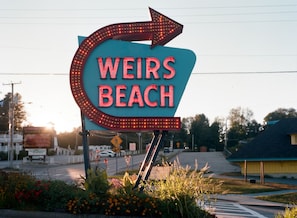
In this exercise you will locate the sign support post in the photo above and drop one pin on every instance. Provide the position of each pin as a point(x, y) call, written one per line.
point(84, 134)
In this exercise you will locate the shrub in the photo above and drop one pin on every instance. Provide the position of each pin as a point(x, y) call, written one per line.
point(124, 200)
point(96, 186)
point(22, 154)
point(289, 213)
point(12, 185)
point(86, 203)
point(3, 155)
point(78, 152)
point(133, 204)
point(176, 197)
point(57, 195)
point(182, 191)
point(23, 191)
point(96, 182)
point(29, 196)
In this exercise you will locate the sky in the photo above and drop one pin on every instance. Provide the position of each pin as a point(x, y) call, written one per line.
point(246, 53)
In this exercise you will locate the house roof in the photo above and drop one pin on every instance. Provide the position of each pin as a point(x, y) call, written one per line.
point(274, 143)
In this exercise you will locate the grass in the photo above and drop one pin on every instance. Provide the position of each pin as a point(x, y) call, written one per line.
point(290, 198)
point(237, 186)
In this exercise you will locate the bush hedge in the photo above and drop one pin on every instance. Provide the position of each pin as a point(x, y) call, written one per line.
point(109, 196)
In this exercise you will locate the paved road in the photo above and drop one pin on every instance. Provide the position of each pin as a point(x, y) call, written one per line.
point(215, 160)
point(71, 168)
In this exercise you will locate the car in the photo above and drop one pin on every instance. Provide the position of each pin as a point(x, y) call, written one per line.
point(166, 150)
point(107, 153)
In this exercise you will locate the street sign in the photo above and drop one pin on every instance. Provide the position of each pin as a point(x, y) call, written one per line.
point(116, 141)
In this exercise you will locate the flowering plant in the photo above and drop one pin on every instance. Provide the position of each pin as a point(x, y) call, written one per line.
point(31, 194)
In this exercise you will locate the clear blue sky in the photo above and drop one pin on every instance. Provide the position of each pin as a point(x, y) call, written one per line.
point(246, 52)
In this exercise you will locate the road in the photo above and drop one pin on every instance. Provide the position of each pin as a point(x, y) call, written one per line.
point(64, 169)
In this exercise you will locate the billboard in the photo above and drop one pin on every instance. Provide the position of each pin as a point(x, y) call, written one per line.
point(38, 137)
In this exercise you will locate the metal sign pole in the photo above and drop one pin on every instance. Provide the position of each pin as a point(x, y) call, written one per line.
point(84, 134)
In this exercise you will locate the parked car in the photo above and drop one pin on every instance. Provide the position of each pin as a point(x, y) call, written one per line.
point(107, 153)
point(166, 150)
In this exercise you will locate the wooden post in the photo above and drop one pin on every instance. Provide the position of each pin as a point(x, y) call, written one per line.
point(245, 171)
point(262, 173)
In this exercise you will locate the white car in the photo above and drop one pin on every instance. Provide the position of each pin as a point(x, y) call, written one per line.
point(107, 153)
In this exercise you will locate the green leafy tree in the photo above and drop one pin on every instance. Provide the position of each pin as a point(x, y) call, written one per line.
point(281, 113)
point(181, 137)
point(240, 123)
point(19, 112)
point(201, 131)
point(215, 135)
point(73, 139)
point(253, 129)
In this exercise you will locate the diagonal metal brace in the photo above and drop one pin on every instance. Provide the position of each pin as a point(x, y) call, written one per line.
point(150, 157)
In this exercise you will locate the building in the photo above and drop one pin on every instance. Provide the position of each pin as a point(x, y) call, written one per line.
point(5, 142)
point(272, 153)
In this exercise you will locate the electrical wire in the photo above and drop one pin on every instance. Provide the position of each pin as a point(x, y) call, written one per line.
point(137, 9)
point(241, 73)
point(195, 73)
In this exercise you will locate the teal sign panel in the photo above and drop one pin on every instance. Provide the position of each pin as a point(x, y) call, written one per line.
point(126, 79)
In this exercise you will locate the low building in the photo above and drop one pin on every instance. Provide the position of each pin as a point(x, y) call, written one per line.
point(272, 153)
point(5, 142)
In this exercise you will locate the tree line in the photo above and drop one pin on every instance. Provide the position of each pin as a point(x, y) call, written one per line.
point(197, 131)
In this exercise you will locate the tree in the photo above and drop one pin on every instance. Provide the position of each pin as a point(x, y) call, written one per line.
point(215, 135)
point(281, 113)
point(181, 137)
point(198, 129)
point(201, 131)
point(240, 117)
point(184, 133)
point(19, 112)
point(241, 123)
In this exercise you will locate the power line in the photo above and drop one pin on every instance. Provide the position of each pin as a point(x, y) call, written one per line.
point(247, 72)
point(192, 22)
point(196, 73)
point(181, 15)
point(137, 9)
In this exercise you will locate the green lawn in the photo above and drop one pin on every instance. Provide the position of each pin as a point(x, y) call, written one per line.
point(286, 198)
point(236, 186)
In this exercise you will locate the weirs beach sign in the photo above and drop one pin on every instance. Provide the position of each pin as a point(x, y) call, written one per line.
point(120, 85)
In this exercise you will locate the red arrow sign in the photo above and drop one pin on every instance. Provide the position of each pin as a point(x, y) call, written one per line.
point(160, 30)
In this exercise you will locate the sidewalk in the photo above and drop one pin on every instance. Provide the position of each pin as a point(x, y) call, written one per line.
point(251, 199)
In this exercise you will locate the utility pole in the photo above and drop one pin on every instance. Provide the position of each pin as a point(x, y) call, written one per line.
point(10, 150)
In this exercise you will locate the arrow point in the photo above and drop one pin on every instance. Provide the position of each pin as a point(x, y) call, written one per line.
point(165, 29)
